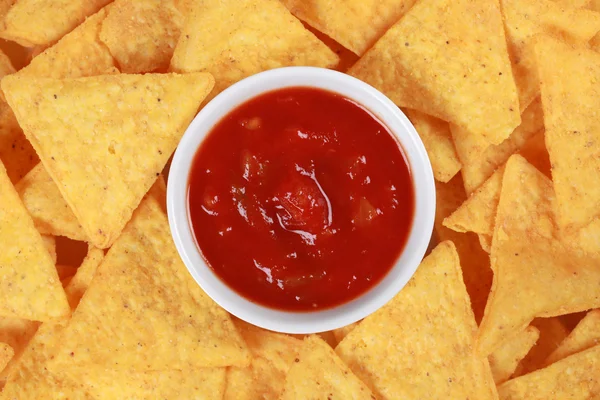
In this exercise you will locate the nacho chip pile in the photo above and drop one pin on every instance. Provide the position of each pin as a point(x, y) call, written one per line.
point(95, 302)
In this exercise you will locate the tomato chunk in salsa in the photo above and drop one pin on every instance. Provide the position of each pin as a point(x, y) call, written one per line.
point(300, 199)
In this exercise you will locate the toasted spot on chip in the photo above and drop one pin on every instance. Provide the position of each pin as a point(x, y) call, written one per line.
point(29, 285)
point(79, 53)
point(356, 24)
point(505, 359)
point(431, 323)
point(144, 309)
point(584, 336)
point(475, 263)
point(436, 137)
point(50, 212)
point(41, 22)
point(535, 274)
point(448, 59)
point(98, 137)
point(572, 129)
point(152, 28)
point(575, 377)
point(524, 19)
point(318, 373)
point(231, 40)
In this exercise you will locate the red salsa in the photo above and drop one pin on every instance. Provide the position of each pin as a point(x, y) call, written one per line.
point(300, 199)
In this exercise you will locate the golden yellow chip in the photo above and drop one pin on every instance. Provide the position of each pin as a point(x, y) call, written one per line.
point(124, 148)
point(575, 377)
point(235, 42)
point(552, 333)
point(143, 308)
point(318, 373)
point(430, 323)
point(341, 333)
point(29, 285)
point(356, 24)
point(535, 274)
point(436, 137)
point(475, 263)
point(41, 22)
point(448, 59)
point(572, 129)
point(16, 333)
point(524, 19)
point(505, 359)
point(50, 212)
point(83, 277)
point(585, 335)
point(480, 160)
point(79, 53)
point(50, 244)
point(16, 152)
point(6, 354)
point(346, 57)
point(272, 356)
point(152, 29)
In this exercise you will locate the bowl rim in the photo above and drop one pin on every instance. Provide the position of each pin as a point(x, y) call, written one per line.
point(311, 321)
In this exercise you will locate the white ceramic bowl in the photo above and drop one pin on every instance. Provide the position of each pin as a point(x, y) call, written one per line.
point(315, 321)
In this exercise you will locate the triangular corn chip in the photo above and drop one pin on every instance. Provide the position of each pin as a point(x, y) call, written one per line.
point(436, 137)
point(575, 378)
point(535, 274)
point(50, 212)
point(505, 359)
point(430, 323)
point(142, 297)
point(552, 333)
point(572, 129)
point(79, 53)
point(524, 19)
point(585, 335)
point(157, 25)
point(356, 24)
point(41, 22)
point(103, 155)
point(448, 59)
point(480, 160)
point(29, 285)
point(230, 39)
point(475, 263)
point(50, 244)
point(272, 356)
point(318, 373)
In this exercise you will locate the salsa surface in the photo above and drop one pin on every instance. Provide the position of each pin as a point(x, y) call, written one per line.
point(300, 199)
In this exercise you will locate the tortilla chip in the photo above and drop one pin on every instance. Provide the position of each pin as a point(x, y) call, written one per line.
point(29, 285)
point(318, 373)
point(575, 377)
point(50, 212)
point(535, 274)
point(143, 279)
point(436, 137)
point(125, 147)
point(157, 25)
point(356, 24)
point(346, 57)
point(16, 333)
point(6, 354)
point(234, 41)
point(572, 129)
point(448, 59)
point(505, 359)
point(16, 152)
point(585, 335)
point(480, 160)
point(83, 277)
point(524, 19)
point(341, 333)
point(477, 214)
point(80, 53)
point(41, 22)
point(272, 356)
point(429, 322)
point(475, 263)
point(50, 244)
point(552, 333)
